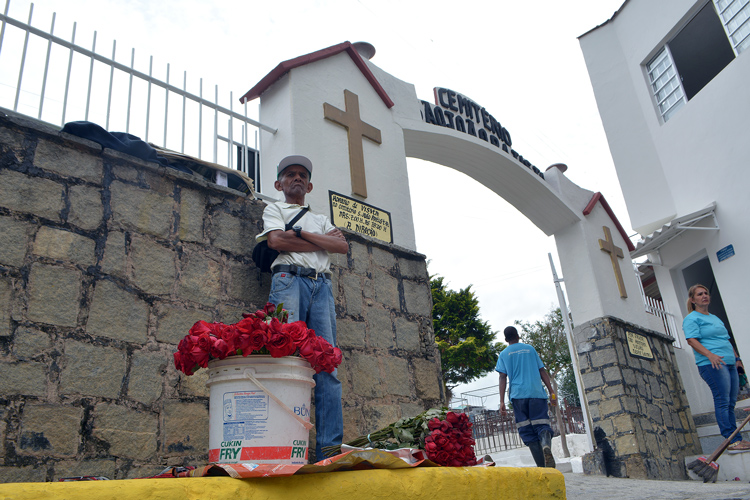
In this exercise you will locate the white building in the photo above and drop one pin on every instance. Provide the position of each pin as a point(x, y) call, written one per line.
point(672, 84)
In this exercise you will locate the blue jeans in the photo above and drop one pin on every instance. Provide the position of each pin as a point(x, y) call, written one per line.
point(311, 301)
point(531, 418)
point(724, 383)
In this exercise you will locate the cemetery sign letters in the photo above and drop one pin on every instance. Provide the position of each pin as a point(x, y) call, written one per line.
point(458, 112)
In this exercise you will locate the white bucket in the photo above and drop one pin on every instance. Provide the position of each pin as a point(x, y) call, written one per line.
point(259, 410)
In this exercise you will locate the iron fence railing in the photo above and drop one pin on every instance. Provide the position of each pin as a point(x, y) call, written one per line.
point(494, 432)
point(58, 81)
point(659, 309)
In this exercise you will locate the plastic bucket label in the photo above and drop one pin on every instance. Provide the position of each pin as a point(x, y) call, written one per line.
point(241, 407)
point(246, 425)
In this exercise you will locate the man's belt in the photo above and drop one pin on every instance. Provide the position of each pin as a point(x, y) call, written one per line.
point(303, 272)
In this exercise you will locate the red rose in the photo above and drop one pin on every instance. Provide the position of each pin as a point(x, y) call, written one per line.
point(445, 426)
point(433, 424)
point(200, 327)
point(219, 348)
point(184, 348)
point(247, 325)
point(184, 345)
point(203, 341)
point(466, 441)
point(326, 356)
point(337, 358)
point(298, 331)
point(280, 344)
point(197, 348)
point(307, 348)
point(258, 339)
point(199, 356)
point(274, 326)
point(269, 308)
point(441, 440)
point(217, 329)
point(442, 458)
point(430, 448)
point(183, 363)
point(321, 354)
point(242, 343)
point(452, 417)
point(254, 340)
point(232, 338)
point(314, 351)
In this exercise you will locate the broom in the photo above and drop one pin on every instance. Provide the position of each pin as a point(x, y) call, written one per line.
point(707, 468)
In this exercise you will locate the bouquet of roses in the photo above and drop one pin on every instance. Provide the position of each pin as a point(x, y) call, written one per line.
point(450, 441)
point(264, 332)
point(445, 436)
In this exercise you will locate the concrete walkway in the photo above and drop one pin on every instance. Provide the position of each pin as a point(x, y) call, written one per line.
point(582, 487)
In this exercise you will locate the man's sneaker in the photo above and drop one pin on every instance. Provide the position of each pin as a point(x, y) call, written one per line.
point(549, 459)
point(739, 447)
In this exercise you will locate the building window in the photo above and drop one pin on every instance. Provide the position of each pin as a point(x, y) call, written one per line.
point(698, 52)
point(665, 84)
point(735, 14)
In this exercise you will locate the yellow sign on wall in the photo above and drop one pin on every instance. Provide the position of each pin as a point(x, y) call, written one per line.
point(360, 217)
point(639, 346)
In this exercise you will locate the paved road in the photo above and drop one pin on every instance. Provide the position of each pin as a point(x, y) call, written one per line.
point(582, 487)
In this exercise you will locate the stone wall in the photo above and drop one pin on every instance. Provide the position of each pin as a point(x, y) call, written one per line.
point(105, 263)
point(639, 403)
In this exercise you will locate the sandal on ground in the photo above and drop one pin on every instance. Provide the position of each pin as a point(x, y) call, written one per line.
point(739, 447)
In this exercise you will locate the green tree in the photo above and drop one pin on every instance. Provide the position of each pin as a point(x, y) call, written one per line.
point(549, 339)
point(466, 343)
point(569, 389)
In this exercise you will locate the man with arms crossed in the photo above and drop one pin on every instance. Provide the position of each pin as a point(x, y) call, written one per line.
point(302, 281)
point(521, 364)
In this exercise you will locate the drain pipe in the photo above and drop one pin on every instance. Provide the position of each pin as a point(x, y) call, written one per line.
point(573, 356)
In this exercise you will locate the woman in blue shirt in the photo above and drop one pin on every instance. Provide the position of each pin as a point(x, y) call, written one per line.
point(717, 361)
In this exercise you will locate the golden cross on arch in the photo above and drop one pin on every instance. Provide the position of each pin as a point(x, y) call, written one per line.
point(356, 130)
point(607, 245)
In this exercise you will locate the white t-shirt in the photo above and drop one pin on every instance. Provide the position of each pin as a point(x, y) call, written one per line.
point(277, 215)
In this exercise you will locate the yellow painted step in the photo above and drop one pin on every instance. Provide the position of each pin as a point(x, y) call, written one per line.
point(420, 483)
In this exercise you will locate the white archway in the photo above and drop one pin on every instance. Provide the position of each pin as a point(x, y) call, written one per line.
point(297, 99)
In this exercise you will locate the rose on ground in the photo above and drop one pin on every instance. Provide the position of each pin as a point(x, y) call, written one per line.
point(450, 441)
point(445, 437)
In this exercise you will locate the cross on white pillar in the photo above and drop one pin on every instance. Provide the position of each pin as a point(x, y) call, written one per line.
point(356, 131)
point(607, 245)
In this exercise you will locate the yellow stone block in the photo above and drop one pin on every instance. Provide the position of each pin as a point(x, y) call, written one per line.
point(421, 483)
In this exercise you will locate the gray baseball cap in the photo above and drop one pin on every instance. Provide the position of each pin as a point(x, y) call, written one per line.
point(300, 160)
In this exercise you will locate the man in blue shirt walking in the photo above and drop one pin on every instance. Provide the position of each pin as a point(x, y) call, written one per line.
point(521, 364)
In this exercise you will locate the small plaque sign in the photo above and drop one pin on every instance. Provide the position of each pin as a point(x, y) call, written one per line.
point(638, 345)
point(360, 217)
point(725, 253)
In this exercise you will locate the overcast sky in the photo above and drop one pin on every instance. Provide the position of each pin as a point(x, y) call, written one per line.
point(519, 59)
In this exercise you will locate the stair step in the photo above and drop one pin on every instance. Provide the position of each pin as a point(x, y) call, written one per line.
point(709, 418)
point(708, 430)
point(730, 467)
